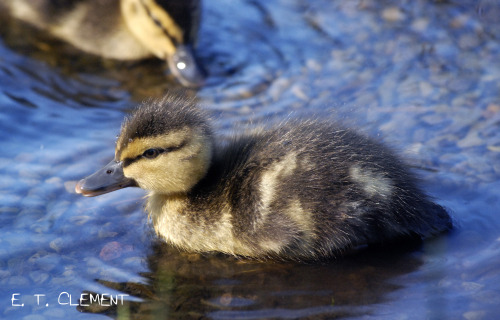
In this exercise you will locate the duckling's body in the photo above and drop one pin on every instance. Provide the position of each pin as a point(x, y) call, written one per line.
point(120, 29)
point(302, 190)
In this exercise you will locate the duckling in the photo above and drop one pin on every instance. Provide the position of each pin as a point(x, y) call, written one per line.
point(124, 29)
point(304, 189)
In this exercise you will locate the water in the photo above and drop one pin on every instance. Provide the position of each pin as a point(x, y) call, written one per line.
point(422, 75)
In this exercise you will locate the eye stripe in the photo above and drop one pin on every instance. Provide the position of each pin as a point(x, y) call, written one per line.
point(159, 24)
point(128, 161)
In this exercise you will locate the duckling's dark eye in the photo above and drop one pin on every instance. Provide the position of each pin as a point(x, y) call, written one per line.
point(151, 153)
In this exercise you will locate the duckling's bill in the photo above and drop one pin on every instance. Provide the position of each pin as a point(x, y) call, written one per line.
point(185, 67)
point(107, 179)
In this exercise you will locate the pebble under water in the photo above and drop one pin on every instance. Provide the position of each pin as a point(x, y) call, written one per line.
point(421, 75)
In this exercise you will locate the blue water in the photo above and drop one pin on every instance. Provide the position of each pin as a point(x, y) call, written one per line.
point(421, 75)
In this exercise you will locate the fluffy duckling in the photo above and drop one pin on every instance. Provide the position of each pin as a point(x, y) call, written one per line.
point(301, 190)
point(121, 29)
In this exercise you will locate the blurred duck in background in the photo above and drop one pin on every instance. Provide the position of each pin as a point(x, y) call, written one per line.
point(122, 29)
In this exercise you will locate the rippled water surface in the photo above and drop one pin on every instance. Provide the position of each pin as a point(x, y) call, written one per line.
point(422, 75)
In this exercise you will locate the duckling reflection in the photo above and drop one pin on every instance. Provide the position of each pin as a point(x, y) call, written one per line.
point(305, 189)
point(124, 30)
point(214, 286)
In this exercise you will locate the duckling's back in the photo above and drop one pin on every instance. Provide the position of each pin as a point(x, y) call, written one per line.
point(310, 189)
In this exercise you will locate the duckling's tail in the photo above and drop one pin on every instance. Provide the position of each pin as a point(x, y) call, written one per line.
point(442, 221)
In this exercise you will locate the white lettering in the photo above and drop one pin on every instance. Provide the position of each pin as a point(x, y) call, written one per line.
point(72, 304)
point(121, 297)
point(103, 299)
point(38, 295)
point(59, 298)
point(14, 299)
point(83, 299)
point(92, 300)
point(86, 299)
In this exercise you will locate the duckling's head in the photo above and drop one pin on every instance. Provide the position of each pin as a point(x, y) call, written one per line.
point(165, 146)
point(168, 29)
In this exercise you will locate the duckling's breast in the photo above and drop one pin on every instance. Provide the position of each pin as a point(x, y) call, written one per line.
point(194, 227)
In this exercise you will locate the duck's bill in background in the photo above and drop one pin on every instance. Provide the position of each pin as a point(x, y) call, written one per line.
point(185, 67)
point(107, 179)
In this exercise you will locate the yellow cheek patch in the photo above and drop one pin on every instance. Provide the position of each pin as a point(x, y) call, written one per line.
point(170, 172)
point(137, 146)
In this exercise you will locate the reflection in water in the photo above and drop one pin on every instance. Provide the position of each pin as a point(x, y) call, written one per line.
point(188, 284)
point(424, 74)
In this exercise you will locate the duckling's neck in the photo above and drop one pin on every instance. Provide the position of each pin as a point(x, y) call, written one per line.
point(158, 204)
